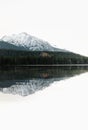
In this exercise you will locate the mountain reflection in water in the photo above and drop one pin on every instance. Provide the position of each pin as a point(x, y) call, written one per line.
point(28, 80)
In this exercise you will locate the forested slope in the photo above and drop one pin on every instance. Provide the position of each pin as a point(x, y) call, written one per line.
point(12, 57)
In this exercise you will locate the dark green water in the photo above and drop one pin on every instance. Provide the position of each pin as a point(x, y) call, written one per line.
point(27, 80)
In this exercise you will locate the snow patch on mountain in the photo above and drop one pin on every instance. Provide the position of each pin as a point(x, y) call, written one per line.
point(29, 42)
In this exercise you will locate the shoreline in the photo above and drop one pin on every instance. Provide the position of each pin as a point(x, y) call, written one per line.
point(47, 65)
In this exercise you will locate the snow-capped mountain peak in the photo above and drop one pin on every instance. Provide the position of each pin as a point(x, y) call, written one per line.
point(29, 42)
point(20, 39)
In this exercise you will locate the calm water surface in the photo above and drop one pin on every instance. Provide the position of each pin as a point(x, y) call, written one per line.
point(62, 103)
point(27, 80)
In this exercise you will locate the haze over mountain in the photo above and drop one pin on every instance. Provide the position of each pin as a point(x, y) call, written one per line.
point(24, 41)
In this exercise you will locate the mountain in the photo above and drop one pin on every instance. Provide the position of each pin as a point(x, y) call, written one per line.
point(9, 46)
point(24, 49)
point(24, 41)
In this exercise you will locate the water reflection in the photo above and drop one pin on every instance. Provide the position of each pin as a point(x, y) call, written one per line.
point(28, 80)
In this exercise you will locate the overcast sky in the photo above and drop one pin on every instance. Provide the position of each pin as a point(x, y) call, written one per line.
point(63, 23)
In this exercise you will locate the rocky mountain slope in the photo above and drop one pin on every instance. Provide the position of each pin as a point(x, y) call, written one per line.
point(24, 41)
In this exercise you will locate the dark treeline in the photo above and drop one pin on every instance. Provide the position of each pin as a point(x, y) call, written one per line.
point(12, 57)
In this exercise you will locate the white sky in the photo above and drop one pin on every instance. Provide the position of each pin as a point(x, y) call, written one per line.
point(61, 22)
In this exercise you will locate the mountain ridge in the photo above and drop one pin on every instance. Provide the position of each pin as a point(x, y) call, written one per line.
point(29, 43)
point(24, 49)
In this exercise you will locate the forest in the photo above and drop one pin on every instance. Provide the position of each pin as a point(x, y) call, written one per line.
point(12, 57)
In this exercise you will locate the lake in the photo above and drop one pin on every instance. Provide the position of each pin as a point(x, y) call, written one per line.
point(54, 98)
